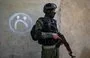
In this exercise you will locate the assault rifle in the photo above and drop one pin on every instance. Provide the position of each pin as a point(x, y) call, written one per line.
point(62, 40)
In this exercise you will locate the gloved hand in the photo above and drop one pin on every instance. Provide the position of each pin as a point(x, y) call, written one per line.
point(55, 36)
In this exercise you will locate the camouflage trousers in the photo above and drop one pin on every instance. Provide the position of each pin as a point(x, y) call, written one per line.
point(50, 52)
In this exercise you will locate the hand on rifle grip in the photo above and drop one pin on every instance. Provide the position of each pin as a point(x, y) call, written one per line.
point(55, 36)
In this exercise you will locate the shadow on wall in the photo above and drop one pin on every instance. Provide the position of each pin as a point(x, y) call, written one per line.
point(85, 53)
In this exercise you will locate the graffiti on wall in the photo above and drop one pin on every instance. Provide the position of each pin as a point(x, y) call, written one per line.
point(20, 23)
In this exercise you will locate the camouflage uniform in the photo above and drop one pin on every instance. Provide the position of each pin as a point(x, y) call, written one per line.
point(47, 27)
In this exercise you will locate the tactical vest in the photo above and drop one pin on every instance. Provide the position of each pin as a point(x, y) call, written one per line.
point(49, 25)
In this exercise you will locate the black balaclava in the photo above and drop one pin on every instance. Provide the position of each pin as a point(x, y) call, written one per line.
point(51, 14)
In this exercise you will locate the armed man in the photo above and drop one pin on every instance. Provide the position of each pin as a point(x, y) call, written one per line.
point(47, 35)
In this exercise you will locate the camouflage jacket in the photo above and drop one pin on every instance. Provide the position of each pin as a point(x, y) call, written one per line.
point(45, 27)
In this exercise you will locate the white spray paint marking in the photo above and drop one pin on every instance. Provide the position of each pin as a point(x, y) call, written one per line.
point(25, 18)
point(15, 26)
point(20, 18)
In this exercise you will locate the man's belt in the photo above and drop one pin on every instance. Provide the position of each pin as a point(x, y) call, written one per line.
point(48, 47)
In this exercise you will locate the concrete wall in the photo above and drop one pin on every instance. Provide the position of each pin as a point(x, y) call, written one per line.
point(75, 22)
point(74, 25)
point(14, 45)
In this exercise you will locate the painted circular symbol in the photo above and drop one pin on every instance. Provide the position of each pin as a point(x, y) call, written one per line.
point(20, 23)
